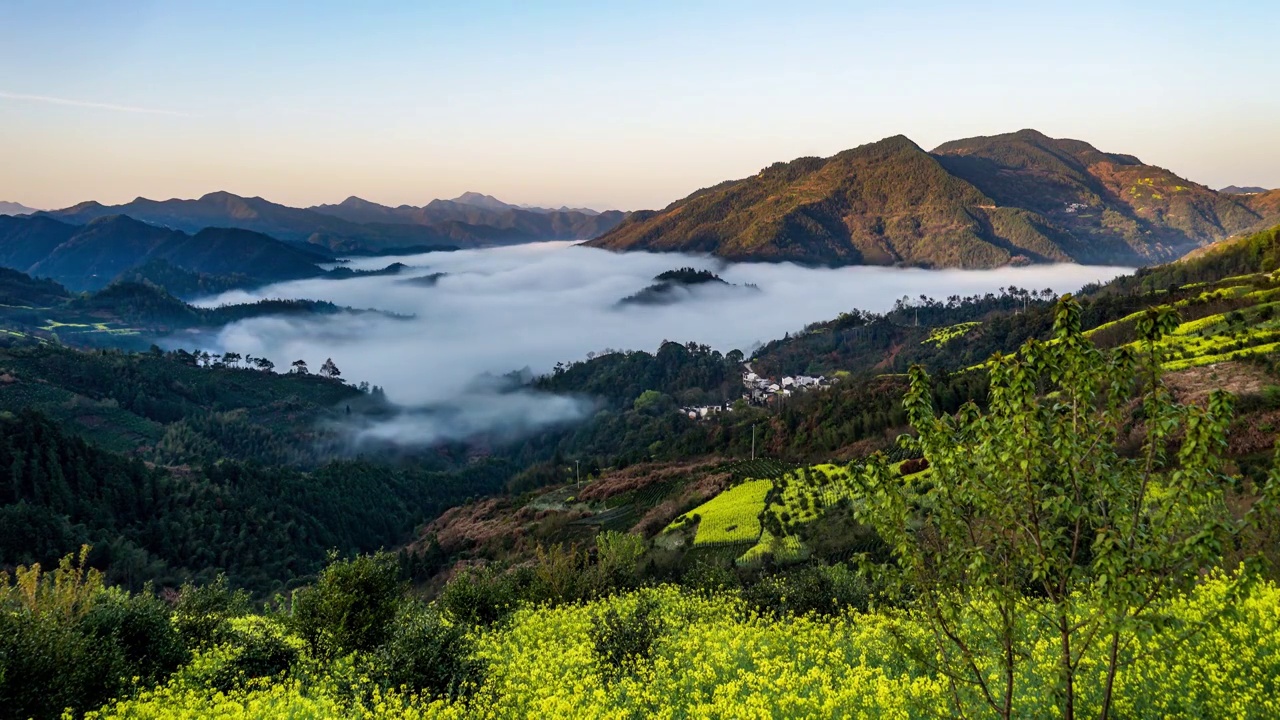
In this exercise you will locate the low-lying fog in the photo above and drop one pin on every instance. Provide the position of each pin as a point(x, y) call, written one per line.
point(503, 309)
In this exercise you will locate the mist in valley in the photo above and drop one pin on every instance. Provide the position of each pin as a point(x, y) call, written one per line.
point(500, 310)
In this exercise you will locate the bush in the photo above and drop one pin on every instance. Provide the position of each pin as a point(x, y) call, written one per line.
point(425, 653)
point(350, 607)
point(624, 638)
point(481, 596)
point(202, 614)
point(255, 648)
point(66, 642)
point(710, 577)
point(821, 589)
point(617, 561)
point(132, 636)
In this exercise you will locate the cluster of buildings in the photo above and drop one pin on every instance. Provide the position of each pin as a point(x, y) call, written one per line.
point(761, 391)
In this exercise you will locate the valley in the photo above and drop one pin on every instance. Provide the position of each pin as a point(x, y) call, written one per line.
point(444, 361)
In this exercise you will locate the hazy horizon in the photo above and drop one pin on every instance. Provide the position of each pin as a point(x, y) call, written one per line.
point(573, 104)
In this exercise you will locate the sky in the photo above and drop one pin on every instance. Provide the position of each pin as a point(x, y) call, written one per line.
point(611, 105)
point(499, 310)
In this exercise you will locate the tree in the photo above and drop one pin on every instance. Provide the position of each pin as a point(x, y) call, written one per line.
point(330, 369)
point(264, 364)
point(1032, 519)
point(350, 607)
point(300, 367)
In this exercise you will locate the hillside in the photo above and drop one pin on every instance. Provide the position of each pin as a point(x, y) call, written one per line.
point(89, 257)
point(1267, 205)
point(133, 312)
point(980, 202)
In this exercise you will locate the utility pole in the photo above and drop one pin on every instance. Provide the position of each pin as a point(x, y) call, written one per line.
point(577, 473)
point(753, 441)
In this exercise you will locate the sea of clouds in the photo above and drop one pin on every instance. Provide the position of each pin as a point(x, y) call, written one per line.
point(531, 306)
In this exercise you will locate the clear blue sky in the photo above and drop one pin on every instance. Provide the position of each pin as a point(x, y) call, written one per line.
point(615, 104)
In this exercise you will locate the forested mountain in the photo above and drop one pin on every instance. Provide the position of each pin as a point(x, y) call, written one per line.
point(90, 256)
point(356, 225)
point(131, 313)
point(980, 202)
point(19, 289)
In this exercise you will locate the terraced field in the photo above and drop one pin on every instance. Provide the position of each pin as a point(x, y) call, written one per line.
point(733, 516)
point(943, 335)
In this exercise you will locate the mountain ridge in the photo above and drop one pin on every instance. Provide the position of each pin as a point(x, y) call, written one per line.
point(90, 256)
point(475, 218)
point(357, 225)
point(13, 208)
point(985, 201)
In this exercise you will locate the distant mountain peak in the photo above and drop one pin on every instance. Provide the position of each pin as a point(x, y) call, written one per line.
point(13, 208)
point(86, 205)
point(482, 200)
point(357, 202)
point(1243, 190)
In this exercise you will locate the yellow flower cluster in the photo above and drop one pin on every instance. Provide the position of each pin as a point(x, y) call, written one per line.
point(716, 658)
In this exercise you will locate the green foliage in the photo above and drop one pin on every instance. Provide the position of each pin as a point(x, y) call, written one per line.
point(251, 648)
point(131, 638)
point(263, 527)
point(203, 614)
point(427, 654)
point(350, 607)
point(624, 637)
point(480, 595)
point(821, 589)
point(68, 642)
point(1032, 513)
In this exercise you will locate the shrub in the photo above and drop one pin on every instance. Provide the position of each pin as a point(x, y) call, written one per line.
point(350, 607)
point(426, 653)
point(65, 642)
point(255, 648)
point(201, 614)
point(623, 638)
point(481, 596)
point(617, 561)
point(710, 577)
point(132, 636)
point(821, 589)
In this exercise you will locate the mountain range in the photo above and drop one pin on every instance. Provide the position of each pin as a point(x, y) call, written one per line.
point(90, 256)
point(356, 225)
point(13, 208)
point(980, 202)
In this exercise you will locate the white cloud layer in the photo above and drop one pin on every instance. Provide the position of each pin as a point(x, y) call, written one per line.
point(503, 309)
